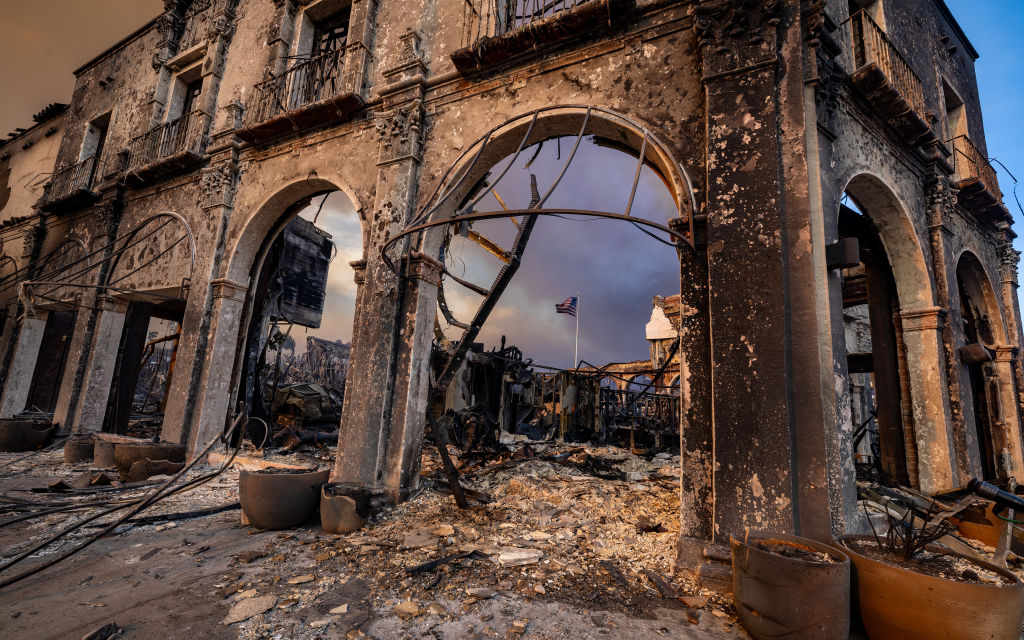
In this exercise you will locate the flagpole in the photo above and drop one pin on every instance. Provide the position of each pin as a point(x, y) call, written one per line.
point(576, 351)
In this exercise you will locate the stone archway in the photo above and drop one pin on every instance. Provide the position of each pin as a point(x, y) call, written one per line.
point(906, 330)
point(992, 434)
point(235, 293)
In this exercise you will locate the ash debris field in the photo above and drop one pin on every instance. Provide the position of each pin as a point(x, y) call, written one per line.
point(572, 542)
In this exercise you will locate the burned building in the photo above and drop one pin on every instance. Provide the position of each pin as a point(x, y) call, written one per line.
point(826, 160)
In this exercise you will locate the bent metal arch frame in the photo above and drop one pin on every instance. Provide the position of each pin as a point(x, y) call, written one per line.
point(75, 273)
point(462, 188)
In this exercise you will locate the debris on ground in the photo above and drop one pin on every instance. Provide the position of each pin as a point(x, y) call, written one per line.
point(575, 542)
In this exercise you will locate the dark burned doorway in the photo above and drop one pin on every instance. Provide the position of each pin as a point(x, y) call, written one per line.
point(976, 358)
point(53, 357)
point(870, 307)
point(144, 367)
point(298, 336)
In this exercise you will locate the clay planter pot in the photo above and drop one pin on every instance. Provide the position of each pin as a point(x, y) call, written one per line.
point(79, 448)
point(128, 453)
point(900, 604)
point(343, 507)
point(791, 598)
point(23, 435)
point(279, 498)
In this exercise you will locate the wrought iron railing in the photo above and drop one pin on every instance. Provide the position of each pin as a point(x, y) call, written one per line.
point(486, 18)
point(68, 180)
point(626, 407)
point(305, 83)
point(186, 133)
point(197, 20)
point(970, 163)
point(871, 45)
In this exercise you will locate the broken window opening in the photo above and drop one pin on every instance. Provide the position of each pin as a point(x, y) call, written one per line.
point(298, 340)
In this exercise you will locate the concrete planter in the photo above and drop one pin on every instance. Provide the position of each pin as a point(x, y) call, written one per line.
point(343, 507)
point(279, 498)
point(128, 453)
point(79, 448)
point(790, 598)
point(900, 604)
point(23, 435)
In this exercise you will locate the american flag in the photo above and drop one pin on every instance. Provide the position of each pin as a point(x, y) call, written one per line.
point(569, 306)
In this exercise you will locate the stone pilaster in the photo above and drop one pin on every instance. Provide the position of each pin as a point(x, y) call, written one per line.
point(99, 371)
point(922, 336)
point(1005, 389)
point(765, 459)
point(201, 322)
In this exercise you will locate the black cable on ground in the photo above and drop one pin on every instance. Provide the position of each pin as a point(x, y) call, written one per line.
point(138, 506)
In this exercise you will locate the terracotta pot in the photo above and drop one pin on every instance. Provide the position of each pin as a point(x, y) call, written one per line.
point(23, 435)
point(272, 499)
point(343, 507)
point(789, 598)
point(128, 453)
point(901, 604)
point(79, 448)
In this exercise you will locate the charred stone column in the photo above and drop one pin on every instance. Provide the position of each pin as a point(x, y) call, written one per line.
point(99, 372)
point(922, 336)
point(188, 393)
point(942, 202)
point(1006, 390)
point(23, 363)
point(107, 214)
point(764, 458)
point(385, 394)
point(402, 468)
point(1008, 261)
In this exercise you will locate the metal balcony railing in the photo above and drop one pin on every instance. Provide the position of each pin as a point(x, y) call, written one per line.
point(970, 163)
point(183, 134)
point(871, 45)
point(70, 180)
point(306, 83)
point(196, 23)
point(488, 18)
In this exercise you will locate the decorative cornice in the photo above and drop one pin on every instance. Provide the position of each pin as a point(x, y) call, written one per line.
point(229, 289)
point(736, 35)
point(423, 267)
point(399, 133)
point(927, 319)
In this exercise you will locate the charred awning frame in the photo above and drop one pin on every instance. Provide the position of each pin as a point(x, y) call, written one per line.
point(73, 274)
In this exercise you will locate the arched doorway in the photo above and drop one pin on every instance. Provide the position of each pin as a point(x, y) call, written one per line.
point(892, 345)
point(982, 331)
point(294, 345)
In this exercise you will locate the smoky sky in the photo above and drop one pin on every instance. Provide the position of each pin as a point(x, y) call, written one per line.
point(42, 43)
point(615, 268)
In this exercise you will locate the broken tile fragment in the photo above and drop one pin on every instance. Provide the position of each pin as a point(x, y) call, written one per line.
point(516, 557)
point(248, 608)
